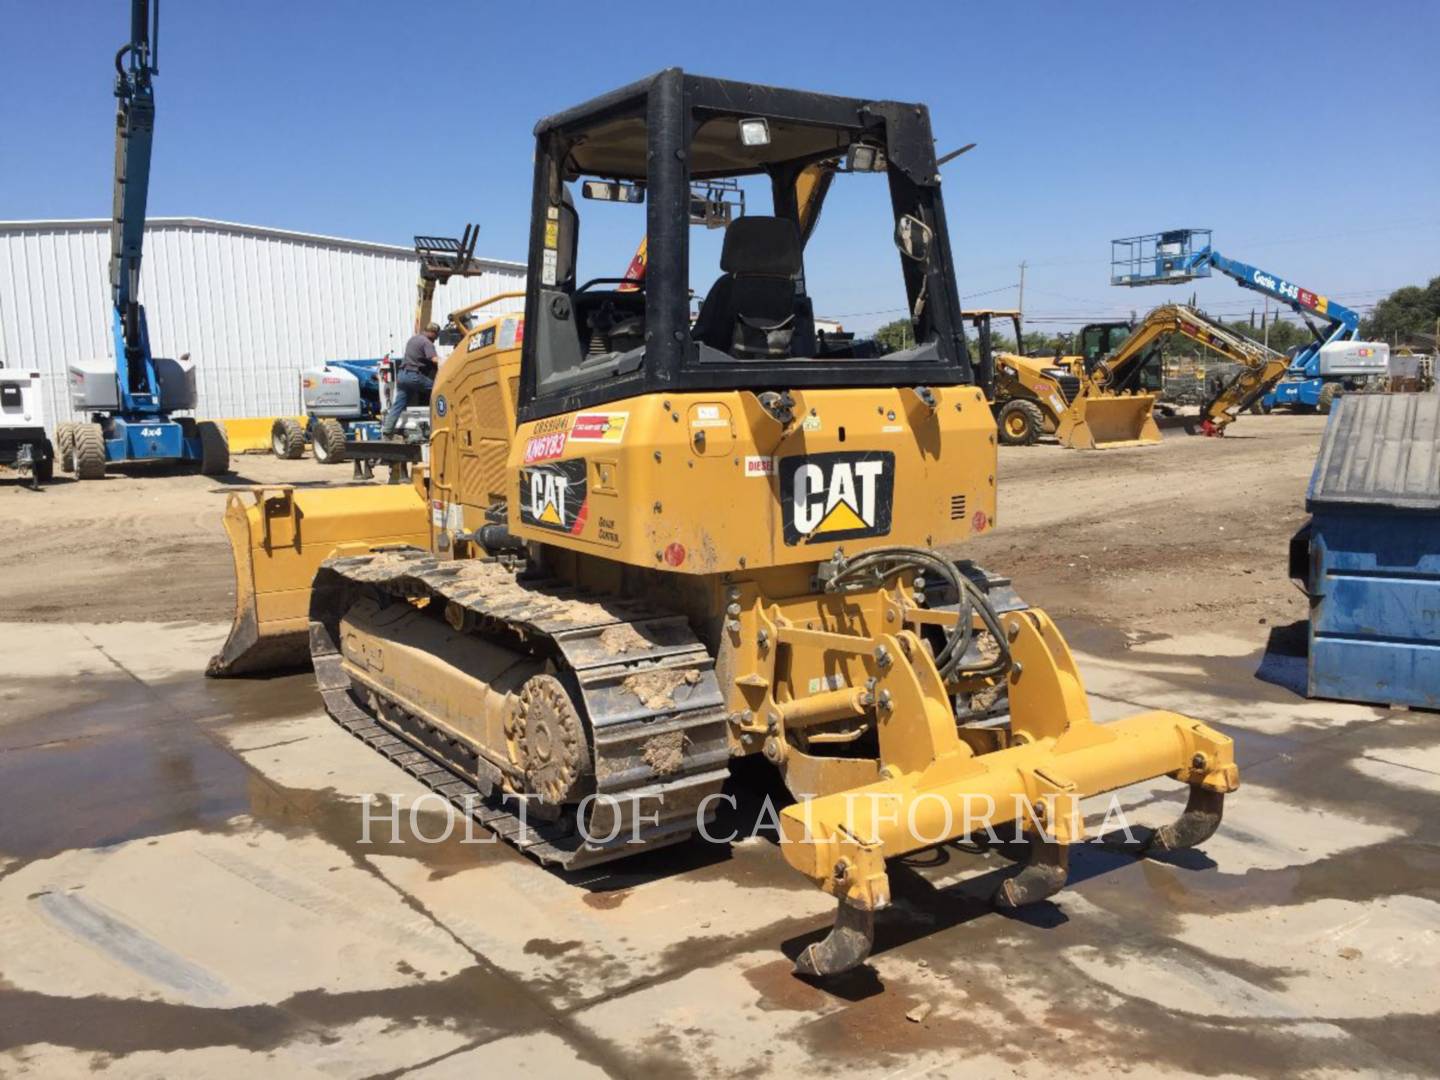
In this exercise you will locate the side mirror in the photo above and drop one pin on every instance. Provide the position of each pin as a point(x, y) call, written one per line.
point(862, 158)
point(913, 237)
point(613, 191)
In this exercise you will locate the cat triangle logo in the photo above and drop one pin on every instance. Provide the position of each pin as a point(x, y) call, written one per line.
point(843, 516)
point(836, 496)
point(549, 497)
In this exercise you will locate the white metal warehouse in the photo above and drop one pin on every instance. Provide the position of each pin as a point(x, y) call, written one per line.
point(251, 305)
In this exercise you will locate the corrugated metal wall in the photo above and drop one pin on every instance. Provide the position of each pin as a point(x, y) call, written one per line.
point(251, 306)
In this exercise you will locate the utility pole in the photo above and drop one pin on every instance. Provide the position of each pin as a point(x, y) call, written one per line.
point(1265, 322)
point(1021, 304)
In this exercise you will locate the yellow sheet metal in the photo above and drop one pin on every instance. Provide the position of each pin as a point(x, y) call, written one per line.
point(251, 434)
point(280, 539)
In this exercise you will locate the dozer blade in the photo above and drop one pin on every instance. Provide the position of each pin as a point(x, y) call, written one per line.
point(251, 434)
point(280, 540)
point(1104, 421)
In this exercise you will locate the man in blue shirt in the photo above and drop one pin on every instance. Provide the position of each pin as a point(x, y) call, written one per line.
point(416, 377)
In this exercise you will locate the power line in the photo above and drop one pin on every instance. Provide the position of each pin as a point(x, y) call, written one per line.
point(903, 311)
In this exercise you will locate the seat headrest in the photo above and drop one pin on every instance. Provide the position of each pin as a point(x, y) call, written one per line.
point(761, 245)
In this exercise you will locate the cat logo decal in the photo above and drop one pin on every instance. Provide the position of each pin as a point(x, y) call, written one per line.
point(837, 496)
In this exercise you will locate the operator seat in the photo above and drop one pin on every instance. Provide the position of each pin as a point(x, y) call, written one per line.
point(752, 311)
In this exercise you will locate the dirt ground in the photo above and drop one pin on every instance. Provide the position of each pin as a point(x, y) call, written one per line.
point(193, 883)
point(1190, 533)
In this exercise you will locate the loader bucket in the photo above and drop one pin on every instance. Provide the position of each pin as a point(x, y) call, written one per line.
point(279, 540)
point(1106, 421)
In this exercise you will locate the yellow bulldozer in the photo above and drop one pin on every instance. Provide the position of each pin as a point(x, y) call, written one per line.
point(644, 547)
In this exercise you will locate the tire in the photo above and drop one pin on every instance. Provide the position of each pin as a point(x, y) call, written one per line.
point(89, 452)
point(214, 448)
point(1328, 393)
point(65, 444)
point(287, 439)
point(327, 440)
point(1020, 423)
point(1266, 409)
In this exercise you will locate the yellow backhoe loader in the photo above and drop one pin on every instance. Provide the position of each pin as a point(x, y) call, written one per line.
point(1112, 407)
point(1031, 393)
point(644, 547)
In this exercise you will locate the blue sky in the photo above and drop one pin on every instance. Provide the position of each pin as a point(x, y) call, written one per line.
point(1307, 136)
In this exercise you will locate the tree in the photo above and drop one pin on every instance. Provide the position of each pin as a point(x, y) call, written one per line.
point(1404, 315)
point(1282, 336)
point(1040, 344)
point(894, 336)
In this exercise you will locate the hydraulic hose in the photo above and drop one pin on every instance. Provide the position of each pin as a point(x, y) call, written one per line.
point(875, 566)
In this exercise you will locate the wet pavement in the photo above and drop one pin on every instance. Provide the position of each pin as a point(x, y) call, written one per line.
point(185, 890)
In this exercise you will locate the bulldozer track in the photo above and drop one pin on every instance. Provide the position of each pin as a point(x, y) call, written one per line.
point(647, 688)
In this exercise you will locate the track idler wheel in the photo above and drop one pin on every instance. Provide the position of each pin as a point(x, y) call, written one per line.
point(1196, 824)
point(1044, 874)
point(846, 946)
point(549, 739)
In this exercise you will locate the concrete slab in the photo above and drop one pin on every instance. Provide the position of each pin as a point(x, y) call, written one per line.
point(185, 890)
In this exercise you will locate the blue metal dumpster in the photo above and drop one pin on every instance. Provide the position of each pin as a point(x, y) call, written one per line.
point(1369, 559)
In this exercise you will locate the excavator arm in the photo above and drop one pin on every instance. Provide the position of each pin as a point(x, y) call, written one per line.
point(1115, 371)
point(1261, 367)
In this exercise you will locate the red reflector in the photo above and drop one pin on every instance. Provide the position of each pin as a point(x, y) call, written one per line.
point(519, 330)
point(675, 554)
point(979, 521)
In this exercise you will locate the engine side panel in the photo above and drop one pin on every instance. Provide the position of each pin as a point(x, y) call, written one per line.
point(711, 483)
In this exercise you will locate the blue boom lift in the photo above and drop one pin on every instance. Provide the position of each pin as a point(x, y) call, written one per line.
point(1318, 370)
point(130, 402)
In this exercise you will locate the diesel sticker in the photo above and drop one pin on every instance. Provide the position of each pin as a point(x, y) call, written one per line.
point(553, 496)
point(837, 496)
